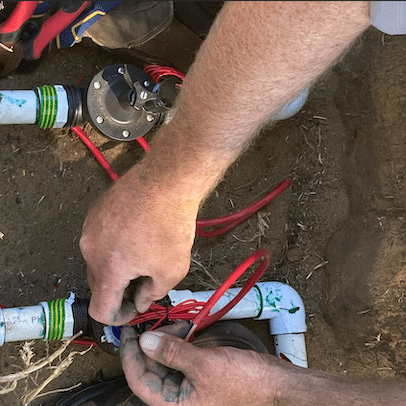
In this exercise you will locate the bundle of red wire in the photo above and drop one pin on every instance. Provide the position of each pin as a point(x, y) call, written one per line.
point(156, 72)
point(199, 312)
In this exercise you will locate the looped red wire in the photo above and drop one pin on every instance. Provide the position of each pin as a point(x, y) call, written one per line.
point(230, 221)
point(156, 72)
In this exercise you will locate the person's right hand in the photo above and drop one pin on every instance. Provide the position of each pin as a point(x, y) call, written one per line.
point(136, 229)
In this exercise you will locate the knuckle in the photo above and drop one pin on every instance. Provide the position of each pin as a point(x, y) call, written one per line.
point(85, 246)
point(171, 351)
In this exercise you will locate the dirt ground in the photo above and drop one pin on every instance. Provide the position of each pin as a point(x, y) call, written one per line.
point(336, 235)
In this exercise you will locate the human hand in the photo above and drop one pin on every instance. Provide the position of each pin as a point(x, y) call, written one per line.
point(208, 376)
point(136, 229)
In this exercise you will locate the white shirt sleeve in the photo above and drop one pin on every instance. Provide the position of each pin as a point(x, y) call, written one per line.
point(389, 16)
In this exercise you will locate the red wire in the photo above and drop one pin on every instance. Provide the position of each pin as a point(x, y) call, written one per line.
point(97, 154)
point(232, 220)
point(198, 312)
point(199, 320)
point(85, 342)
point(156, 72)
point(144, 144)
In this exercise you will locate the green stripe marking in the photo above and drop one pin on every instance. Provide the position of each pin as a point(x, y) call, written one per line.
point(41, 107)
point(55, 106)
point(56, 328)
point(48, 106)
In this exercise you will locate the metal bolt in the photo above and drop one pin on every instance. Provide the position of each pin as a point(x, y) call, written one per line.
point(147, 83)
point(150, 117)
point(97, 85)
point(99, 119)
point(143, 95)
point(125, 133)
point(121, 70)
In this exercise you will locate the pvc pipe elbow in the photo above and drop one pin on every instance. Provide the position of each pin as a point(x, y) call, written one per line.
point(284, 308)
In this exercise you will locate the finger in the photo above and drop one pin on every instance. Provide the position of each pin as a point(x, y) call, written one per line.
point(149, 290)
point(145, 384)
point(179, 329)
point(171, 386)
point(107, 305)
point(143, 295)
point(130, 351)
point(172, 352)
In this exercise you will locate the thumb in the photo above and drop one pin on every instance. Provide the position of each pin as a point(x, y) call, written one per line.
point(171, 351)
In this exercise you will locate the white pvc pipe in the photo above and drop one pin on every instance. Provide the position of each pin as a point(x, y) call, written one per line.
point(275, 301)
point(18, 106)
point(293, 347)
point(23, 106)
point(266, 300)
point(22, 323)
point(33, 322)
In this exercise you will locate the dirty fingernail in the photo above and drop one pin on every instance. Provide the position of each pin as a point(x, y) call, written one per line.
point(149, 341)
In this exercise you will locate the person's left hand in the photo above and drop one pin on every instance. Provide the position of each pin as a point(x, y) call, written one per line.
point(207, 376)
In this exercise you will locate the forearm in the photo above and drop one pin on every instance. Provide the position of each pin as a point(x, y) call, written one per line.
point(307, 387)
point(257, 57)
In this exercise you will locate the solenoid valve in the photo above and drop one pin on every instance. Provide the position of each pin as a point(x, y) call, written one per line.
point(121, 101)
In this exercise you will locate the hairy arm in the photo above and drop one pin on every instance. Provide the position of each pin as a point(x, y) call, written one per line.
point(306, 387)
point(256, 58)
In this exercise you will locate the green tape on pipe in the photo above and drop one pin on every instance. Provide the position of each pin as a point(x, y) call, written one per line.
point(56, 327)
point(48, 106)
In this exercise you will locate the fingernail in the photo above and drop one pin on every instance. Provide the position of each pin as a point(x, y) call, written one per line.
point(149, 341)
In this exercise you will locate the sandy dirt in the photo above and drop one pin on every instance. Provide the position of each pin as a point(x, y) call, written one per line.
point(336, 235)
